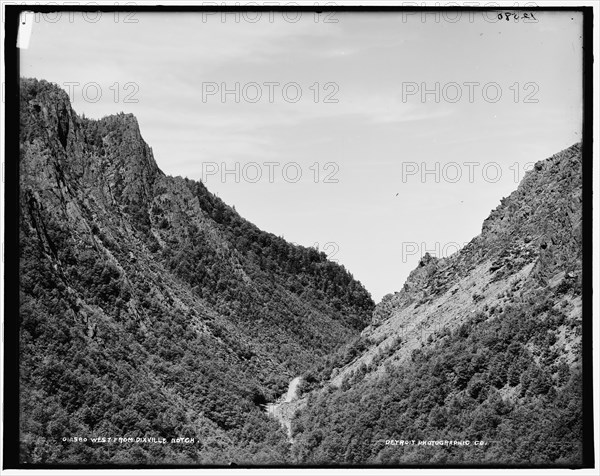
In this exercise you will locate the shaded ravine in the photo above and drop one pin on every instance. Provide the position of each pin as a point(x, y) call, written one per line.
point(285, 408)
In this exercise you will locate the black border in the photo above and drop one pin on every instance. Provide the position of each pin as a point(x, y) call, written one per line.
point(11, 239)
point(587, 235)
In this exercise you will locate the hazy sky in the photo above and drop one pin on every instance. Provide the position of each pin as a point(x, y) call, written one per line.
point(341, 164)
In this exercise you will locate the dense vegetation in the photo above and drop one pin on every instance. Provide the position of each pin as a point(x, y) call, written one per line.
point(91, 370)
point(149, 308)
point(500, 377)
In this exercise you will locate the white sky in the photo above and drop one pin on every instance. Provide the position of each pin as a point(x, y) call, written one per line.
point(379, 219)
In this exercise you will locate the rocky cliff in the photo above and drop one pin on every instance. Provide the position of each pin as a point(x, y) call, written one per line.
point(531, 241)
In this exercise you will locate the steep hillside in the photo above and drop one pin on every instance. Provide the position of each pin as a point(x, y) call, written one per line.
point(483, 345)
point(149, 308)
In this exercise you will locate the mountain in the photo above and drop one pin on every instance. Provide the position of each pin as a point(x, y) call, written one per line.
point(151, 310)
point(484, 345)
point(158, 326)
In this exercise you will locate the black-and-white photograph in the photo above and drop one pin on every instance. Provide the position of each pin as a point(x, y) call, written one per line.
point(299, 235)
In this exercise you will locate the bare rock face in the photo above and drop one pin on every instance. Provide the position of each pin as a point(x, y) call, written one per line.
point(539, 224)
point(105, 160)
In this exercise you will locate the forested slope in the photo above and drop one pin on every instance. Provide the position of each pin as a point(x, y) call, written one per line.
point(149, 308)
